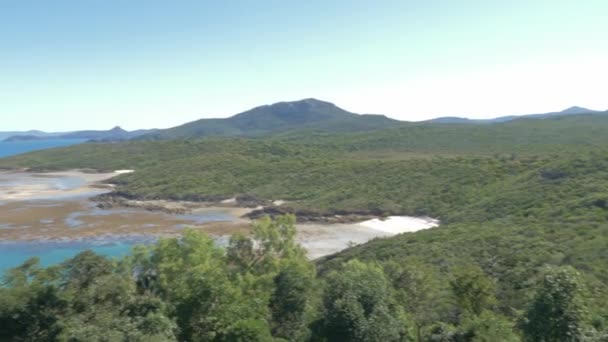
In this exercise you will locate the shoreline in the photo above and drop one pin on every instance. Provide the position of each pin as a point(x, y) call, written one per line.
point(245, 206)
point(77, 205)
point(25, 185)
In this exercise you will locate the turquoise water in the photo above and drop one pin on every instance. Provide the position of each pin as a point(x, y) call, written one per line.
point(13, 254)
point(18, 147)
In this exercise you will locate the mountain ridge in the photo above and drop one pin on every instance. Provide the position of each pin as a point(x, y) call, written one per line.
point(114, 134)
point(574, 110)
point(308, 114)
point(279, 117)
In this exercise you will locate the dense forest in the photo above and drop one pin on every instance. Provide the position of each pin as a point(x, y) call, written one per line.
point(262, 288)
point(521, 254)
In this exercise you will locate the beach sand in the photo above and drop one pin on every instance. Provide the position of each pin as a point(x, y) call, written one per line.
point(20, 186)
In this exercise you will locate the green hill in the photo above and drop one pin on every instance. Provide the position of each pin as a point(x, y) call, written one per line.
point(444, 170)
point(521, 203)
point(279, 117)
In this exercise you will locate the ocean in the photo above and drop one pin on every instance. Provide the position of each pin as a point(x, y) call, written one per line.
point(18, 147)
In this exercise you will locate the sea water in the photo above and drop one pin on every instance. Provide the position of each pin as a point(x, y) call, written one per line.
point(9, 148)
point(13, 254)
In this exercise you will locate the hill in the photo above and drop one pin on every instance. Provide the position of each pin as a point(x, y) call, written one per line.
point(569, 111)
point(32, 133)
point(114, 134)
point(275, 118)
point(320, 171)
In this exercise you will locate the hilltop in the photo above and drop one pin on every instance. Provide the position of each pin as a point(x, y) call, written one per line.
point(276, 118)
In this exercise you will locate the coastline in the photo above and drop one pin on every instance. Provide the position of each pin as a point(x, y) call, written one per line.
point(80, 205)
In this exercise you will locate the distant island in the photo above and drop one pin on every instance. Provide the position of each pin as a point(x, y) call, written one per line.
point(114, 134)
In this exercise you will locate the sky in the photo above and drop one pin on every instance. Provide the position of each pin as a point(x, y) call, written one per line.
point(94, 64)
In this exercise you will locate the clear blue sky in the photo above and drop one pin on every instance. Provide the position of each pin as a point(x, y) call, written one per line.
point(67, 65)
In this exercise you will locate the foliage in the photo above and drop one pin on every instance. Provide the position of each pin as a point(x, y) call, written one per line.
point(558, 311)
point(359, 306)
point(188, 289)
point(472, 290)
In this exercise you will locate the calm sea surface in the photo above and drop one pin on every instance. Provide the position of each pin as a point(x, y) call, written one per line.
point(17, 147)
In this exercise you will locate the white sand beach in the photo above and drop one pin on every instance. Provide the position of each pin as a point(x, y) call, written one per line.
point(401, 224)
point(325, 239)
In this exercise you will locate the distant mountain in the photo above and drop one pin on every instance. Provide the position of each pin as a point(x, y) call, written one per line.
point(569, 111)
point(114, 134)
point(279, 117)
point(578, 110)
point(304, 116)
point(31, 133)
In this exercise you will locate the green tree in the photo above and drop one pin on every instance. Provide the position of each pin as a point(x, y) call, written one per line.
point(104, 304)
point(240, 252)
point(558, 312)
point(293, 287)
point(487, 327)
point(417, 290)
point(472, 290)
point(359, 305)
point(30, 303)
point(249, 331)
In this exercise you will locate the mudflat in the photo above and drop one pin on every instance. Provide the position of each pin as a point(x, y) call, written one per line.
point(50, 220)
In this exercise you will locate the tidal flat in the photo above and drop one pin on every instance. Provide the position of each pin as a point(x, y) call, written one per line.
point(51, 215)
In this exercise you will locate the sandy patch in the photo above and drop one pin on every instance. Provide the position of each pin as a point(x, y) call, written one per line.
point(19, 186)
point(400, 224)
point(324, 239)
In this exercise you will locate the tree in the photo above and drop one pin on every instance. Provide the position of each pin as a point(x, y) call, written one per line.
point(292, 289)
point(240, 252)
point(249, 331)
point(558, 312)
point(472, 290)
point(418, 291)
point(487, 327)
point(30, 303)
point(83, 269)
point(359, 305)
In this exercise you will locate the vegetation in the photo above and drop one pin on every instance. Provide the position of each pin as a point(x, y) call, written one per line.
point(279, 117)
point(520, 255)
point(262, 288)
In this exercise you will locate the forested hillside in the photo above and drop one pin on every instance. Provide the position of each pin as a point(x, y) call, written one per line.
point(520, 254)
point(275, 118)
